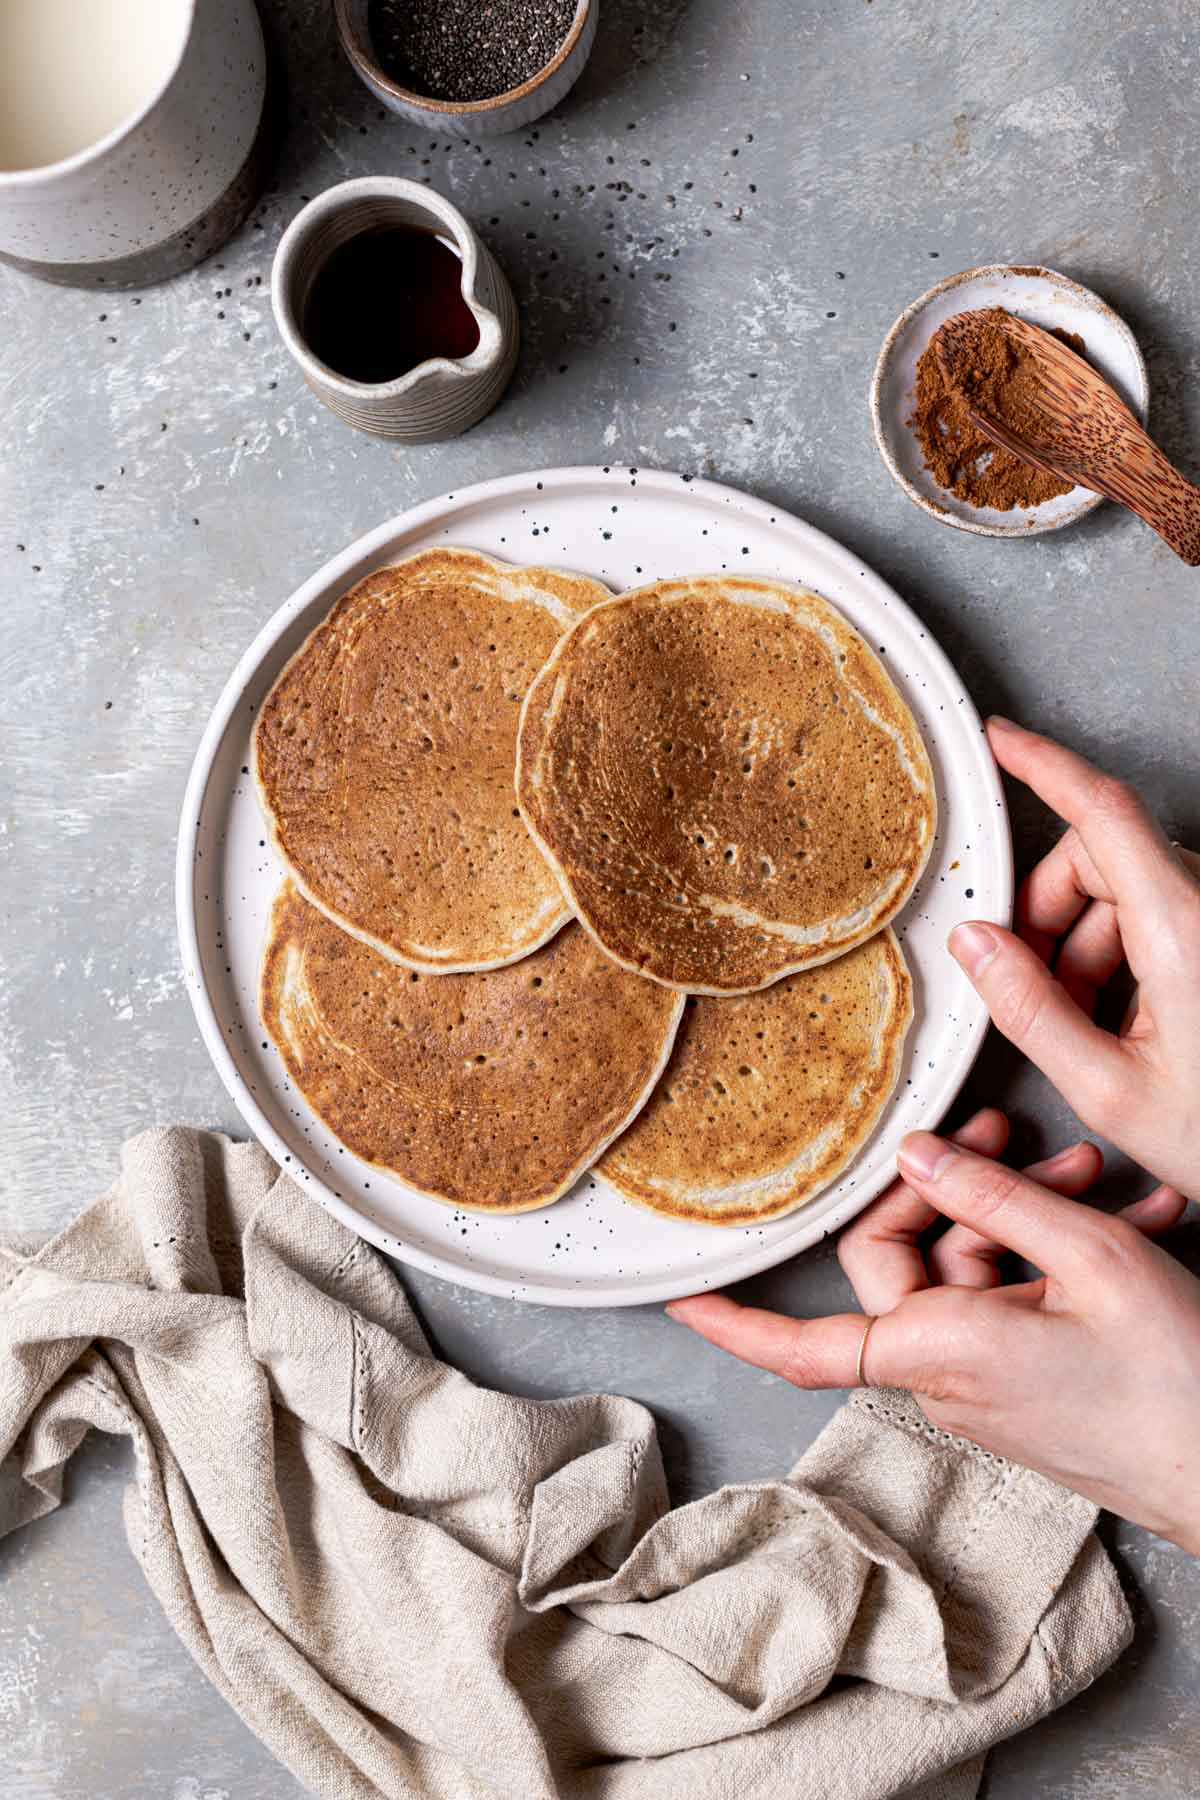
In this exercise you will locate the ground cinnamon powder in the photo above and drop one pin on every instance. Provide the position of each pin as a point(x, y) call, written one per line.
point(956, 453)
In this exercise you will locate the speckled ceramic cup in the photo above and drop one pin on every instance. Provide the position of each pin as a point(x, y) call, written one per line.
point(167, 185)
point(438, 398)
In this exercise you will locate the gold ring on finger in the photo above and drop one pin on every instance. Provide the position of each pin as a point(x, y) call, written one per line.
point(860, 1379)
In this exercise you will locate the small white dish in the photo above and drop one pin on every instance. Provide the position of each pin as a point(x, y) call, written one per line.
point(1045, 298)
point(623, 526)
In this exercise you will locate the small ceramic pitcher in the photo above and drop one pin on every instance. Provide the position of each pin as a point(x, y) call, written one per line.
point(441, 397)
point(166, 186)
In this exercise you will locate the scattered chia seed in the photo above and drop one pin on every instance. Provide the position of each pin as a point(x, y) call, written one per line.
point(466, 49)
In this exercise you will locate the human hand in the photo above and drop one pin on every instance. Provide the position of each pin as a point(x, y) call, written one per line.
point(1090, 1374)
point(1112, 890)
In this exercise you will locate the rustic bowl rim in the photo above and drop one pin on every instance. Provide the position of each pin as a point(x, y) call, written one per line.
point(1024, 527)
point(370, 71)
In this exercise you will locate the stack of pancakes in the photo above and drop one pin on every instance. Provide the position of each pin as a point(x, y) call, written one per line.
point(576, 882)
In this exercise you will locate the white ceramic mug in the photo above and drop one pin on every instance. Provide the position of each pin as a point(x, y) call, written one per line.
point(438, 398)
point(168, 182)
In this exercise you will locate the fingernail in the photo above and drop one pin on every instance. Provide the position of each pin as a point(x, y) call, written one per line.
point(998, 722)
point(974, 947)
point(924, 1156)
point(1062, 1156)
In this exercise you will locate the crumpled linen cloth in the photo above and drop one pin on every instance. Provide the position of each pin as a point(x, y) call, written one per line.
point(410, 1586)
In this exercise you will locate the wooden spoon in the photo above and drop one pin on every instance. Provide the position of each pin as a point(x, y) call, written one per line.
point(1072, 424)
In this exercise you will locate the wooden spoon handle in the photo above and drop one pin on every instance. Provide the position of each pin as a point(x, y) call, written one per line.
point(1150, 486)
point(1143, 480)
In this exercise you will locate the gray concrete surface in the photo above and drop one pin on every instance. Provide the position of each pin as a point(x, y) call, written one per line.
point(708, 243)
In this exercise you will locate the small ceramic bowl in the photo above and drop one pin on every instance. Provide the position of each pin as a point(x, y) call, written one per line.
point(471, 118)
point(438, 398)
point(1044, 298)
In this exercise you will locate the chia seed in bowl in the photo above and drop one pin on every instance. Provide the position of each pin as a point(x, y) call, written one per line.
point(466, 50)
point(411, 52)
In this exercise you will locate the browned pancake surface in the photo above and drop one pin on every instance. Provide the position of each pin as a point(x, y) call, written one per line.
point(726, 780)
point(384, 758)
point(767, 1097)
point(492, 1091)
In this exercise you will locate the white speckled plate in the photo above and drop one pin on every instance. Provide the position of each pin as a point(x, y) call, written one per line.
point(593, 1249)
point(1045, 298)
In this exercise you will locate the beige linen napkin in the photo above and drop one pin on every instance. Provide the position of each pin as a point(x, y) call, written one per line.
point(409, 1586)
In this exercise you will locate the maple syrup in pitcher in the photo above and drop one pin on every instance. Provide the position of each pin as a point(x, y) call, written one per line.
point(387, 300)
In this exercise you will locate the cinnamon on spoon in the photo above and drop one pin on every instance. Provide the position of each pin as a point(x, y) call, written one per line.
point(1030, 394)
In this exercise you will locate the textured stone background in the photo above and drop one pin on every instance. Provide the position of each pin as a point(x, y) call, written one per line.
point(707, 242)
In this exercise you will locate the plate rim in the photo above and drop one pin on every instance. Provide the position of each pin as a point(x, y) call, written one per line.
point(336, 568)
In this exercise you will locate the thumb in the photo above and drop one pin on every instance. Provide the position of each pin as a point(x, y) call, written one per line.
point(1057, 1235)
point(904, 1345)
point(810, 1353)
point(1035, 1012)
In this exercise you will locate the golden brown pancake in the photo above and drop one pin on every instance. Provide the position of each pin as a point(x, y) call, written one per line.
point(492, 1091)
point(767, 1097)
point(726, 781)
point(384, 759)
